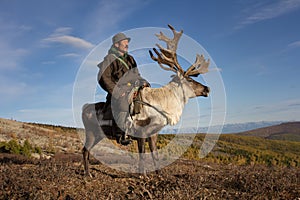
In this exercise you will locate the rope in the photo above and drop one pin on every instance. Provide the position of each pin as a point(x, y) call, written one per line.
point(147, 104)
point(122, 61)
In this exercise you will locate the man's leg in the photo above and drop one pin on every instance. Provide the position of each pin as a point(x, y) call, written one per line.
point(120, 127)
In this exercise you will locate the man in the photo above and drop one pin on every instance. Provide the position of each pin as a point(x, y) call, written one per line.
point(118, 75)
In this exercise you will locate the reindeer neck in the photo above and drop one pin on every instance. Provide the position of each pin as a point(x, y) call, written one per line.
point(179, 91)
point(170, 99)
point(178, 99)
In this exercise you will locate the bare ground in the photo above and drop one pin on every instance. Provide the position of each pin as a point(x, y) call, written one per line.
point(61, 177)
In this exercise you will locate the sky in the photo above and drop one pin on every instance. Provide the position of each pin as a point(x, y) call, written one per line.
point(254, 44)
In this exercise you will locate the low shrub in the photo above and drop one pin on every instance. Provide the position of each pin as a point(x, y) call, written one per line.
point(14, 147)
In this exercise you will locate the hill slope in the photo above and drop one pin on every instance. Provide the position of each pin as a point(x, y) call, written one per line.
point(245, 148)
point(285, 131)
point(237, 168)
point(50, 138)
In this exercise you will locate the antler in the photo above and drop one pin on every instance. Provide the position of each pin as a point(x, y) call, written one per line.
point(199, 67)
point(168, 56)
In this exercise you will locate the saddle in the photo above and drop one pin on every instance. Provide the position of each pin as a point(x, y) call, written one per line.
point(133, 98)
point(134, 106)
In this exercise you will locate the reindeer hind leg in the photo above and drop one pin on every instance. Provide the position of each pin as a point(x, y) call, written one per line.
point(86, 155)
point(90, 122)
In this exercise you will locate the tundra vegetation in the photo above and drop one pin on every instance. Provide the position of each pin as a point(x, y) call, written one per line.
point(229, 149)
point(239, 167)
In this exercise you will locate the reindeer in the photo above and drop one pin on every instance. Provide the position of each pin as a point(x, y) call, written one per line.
point(159, 106)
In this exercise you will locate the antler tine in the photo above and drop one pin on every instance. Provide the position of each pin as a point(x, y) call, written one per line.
point(168, 55)
point(199, 67)
point(199, 60)
point(171, 43)
point(160, 60)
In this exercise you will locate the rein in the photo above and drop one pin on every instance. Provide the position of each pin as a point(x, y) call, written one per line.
point(147, 104)
point(155, 108)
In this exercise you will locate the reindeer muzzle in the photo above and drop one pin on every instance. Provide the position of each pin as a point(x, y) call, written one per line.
point(206, 91)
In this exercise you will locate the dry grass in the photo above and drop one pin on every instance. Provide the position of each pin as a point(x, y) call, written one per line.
point(61, 176)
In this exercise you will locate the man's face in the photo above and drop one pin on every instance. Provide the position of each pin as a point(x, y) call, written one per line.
point(123, 45)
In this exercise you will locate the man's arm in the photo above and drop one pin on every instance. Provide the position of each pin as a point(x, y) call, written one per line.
point(140, 80)
point(105, 75)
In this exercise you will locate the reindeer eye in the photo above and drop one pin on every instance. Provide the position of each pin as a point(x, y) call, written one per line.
point(189, 79)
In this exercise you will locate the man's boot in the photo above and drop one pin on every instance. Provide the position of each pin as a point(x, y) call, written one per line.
point(124, 139)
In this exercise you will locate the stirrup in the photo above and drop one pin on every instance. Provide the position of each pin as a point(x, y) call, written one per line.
point(124, 141)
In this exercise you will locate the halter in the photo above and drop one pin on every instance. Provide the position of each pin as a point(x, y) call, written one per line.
point(163, 113)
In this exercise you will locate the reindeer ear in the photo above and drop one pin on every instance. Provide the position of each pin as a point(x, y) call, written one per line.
point(175, 78)
point(194, 75)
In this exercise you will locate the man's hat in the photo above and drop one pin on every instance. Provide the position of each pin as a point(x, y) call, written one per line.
point(119, 37)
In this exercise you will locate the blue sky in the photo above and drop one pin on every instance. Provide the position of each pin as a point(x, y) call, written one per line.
point(254, 43)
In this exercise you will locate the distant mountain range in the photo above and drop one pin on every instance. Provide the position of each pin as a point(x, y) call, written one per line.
point(227, 128)
point(241, 127)
point(274, 130)
point(284, 131)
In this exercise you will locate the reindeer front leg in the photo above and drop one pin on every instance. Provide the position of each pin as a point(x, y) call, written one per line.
point(141, 147)
point(153, 148)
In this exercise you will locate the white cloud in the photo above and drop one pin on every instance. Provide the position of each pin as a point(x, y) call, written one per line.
point(71, 40)
point(48, 62)
point(11, 50)
point(10, 56)
point(265, 12)
point(60, 35)
point(53, 105)
point(70, 55)
point(294, 44)
point(62, 31)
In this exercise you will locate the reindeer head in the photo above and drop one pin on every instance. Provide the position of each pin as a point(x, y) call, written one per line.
point(167, 56)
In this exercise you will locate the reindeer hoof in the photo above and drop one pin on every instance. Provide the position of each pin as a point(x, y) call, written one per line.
point(144, 177)
point(88, 174)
